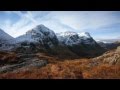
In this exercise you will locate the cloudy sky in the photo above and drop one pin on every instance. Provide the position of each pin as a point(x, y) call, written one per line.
point(100, 24)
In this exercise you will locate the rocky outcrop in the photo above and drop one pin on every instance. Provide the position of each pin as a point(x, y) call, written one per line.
point(110, 57)
point(26, 61)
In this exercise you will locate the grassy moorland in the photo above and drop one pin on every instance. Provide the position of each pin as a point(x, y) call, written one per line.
point(94, 68)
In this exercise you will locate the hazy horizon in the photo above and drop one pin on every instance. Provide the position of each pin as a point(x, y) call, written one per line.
point(100, 24)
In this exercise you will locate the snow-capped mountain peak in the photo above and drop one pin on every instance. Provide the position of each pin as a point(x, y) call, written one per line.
point(67, 33)
point(70, 38)
point(39, 34)
point(42, 30)
point(84, 34)
point(103, 41)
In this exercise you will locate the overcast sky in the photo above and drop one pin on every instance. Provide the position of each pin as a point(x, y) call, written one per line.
point(100, 24)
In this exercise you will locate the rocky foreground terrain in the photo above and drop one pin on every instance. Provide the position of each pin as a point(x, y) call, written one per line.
point(13, 62)
point(42, 66)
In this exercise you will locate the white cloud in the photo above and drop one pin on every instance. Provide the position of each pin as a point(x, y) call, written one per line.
point(87, 19)
point(60, 21)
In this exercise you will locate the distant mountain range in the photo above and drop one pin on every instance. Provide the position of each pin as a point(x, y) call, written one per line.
point(42, 39)
point(108, 45)
point(108, 40)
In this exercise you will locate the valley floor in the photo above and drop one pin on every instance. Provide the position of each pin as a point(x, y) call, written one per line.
point(41, 66)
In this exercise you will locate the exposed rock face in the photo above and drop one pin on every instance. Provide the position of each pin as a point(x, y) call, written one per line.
point(110, 57)
point(115, 59)
point(26, 61)
point(118, 50)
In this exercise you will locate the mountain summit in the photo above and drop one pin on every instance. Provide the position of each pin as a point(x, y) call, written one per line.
point(84, 34)
point(39, 34)
point(72, 38)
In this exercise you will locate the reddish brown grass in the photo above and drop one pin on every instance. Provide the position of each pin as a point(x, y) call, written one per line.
point(103, 71)
point(67, 69)
point(8, 57)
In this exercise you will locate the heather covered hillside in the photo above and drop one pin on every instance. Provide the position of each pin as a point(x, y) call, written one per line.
point(94, 68)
